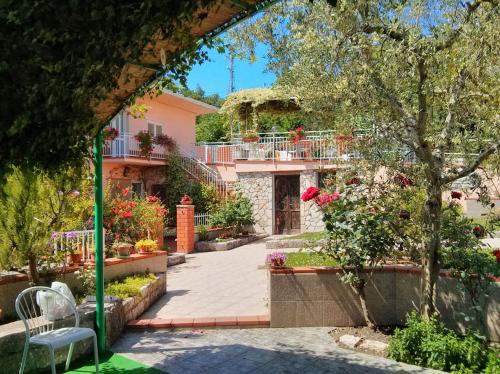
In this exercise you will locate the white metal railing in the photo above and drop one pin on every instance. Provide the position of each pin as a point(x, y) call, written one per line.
point(317, 145)
point(68, 241)
point(125, 145)
point(201, 219)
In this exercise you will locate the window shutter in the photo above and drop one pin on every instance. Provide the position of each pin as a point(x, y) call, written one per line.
point(151, 128)
point(159, 130)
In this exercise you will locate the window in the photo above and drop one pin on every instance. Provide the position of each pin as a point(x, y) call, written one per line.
point(137, 188)
point(155, 129)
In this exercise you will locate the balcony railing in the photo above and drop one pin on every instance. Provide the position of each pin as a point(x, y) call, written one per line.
point(127, 146)
point(317, 145)
point(69, 241)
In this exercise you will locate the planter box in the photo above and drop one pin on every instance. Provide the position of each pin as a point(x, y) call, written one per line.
point(229, 244)
point(315, 296)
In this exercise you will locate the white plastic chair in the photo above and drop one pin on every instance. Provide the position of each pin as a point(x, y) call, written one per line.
point(39, 324)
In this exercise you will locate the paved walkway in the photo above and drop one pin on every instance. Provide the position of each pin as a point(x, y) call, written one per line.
point(215, 284)
point(227, 351)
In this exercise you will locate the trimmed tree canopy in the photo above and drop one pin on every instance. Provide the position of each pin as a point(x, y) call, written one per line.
point(68, 66)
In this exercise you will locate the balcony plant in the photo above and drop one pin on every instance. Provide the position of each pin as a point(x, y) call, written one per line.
point(145, 140)
point(165, 141)
point(146, 245)
point(122, 249)
point(110, 133)
point(250, 136)
point(294, 136)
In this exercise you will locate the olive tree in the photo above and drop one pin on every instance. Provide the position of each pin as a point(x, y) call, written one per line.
point(423, 73)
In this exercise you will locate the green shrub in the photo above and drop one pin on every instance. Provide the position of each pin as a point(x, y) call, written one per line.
point(234, 213)
point(129, 286)
point(430, 344)
point(202, 233)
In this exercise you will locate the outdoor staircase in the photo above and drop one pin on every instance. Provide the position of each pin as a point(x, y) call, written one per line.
point(205, 174)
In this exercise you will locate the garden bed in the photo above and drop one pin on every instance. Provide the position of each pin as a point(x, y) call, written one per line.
point(211, 246)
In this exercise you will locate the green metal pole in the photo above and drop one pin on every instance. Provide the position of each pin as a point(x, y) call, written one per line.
point(99, 243)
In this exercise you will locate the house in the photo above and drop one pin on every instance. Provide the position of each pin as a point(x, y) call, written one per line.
point(168, 114)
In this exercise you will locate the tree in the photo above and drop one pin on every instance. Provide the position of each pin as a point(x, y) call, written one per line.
point(424, 72)
point(32, 206)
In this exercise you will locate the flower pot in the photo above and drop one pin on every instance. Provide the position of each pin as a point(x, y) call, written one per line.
point(76, 258)
point(250, 139)
point(123, 252)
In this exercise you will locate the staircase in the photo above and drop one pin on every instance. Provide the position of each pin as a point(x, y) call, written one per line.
point(203, 173)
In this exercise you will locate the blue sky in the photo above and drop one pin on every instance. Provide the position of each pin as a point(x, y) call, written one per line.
point(213, 75)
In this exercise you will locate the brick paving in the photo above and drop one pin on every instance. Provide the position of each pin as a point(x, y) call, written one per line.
point(216, 284)
point(227, 351)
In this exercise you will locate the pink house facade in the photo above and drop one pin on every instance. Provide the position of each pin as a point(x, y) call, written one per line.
point(168, 114)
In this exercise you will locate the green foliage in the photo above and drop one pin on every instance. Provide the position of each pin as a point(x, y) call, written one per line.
point(314, 236)
point(86, 277)
point(233, 213)
point(309, 259)
point(428, 343)
point(61, 57)
point(212, 127)
point(202, 232)
point(199, 94)
point(129, 286)
point(32, 206)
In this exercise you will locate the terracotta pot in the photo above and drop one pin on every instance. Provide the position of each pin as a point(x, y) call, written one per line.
point(250, 139)
point(186, 200)
point(123, 251)
point(76, 258)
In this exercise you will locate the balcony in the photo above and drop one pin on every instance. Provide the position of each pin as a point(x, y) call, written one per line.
point(316, 146)
point(125, 146)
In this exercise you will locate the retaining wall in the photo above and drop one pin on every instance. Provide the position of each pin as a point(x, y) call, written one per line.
point(12, 284)
point(117, 314)
point(300, 297)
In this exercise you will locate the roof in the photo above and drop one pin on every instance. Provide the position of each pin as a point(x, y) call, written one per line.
point(200, 106)
point(134, 76)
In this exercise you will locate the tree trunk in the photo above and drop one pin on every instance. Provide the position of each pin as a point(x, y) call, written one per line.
point(359, 288)
point(33, 276)
point(431, 250)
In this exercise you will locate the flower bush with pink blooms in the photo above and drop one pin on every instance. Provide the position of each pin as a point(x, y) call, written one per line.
point(276, 259)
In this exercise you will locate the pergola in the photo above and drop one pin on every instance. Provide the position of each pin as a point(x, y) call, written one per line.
point(134, 76)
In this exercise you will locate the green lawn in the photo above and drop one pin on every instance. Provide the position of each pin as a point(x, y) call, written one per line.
point(308, 236)
point(112, 363)
point(308, 259)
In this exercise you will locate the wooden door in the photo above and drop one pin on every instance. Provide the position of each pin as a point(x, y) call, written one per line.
point(287, 204)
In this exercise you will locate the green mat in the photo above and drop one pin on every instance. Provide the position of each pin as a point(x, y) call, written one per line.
point(112, 363)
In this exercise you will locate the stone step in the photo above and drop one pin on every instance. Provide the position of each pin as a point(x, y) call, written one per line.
point(200, 322)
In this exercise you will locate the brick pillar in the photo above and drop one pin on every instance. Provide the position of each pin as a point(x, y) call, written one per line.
point(185, 228)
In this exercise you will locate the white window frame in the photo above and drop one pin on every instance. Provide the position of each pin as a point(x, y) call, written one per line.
point(155, 124)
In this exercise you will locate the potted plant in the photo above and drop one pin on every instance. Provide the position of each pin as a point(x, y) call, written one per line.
point(146, 246)
point(110, 133)
point(250, 136)
point(186, 200)
point(276, 259)
point(145, 141)
point(166, 142)
point(76, 256)
point(295, 136)
point(122, 249)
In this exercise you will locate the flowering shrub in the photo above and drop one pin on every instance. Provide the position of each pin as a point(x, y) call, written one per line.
point(296, 135)
point(310, 193)
point(327, 198)
point(456, 195)
point(402, 181)
point(276, 259)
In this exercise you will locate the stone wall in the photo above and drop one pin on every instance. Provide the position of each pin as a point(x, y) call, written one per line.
point(303, 297)
point(258, 188)
point(12, 284)
point(311, 217)
point(117, 314)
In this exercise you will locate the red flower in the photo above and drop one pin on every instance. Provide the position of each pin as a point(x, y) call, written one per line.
point(299, 129)
point(126, 214)
point(402, 181)
point(310, 193)
point(152, 199)
point(478, 231)
point(496, 253)
point(327, 198)
point(456, 195)
point(125, 191)
point(354, 180)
